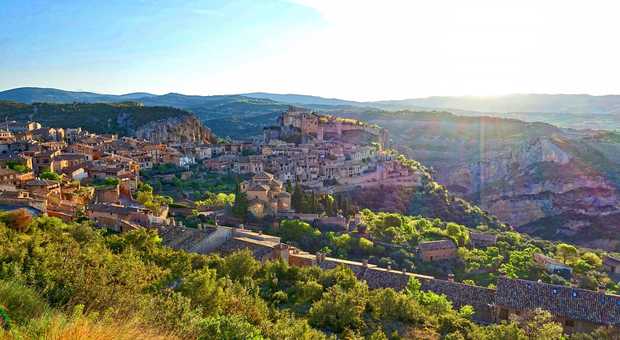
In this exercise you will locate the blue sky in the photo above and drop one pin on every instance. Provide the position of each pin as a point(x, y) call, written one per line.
point(352, 49)
point(127, 45)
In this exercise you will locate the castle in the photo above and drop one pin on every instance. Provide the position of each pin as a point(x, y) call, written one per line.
point(305, 126)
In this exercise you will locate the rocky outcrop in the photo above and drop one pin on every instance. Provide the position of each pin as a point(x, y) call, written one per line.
point(174, 130)
point(550, 182)
point(537, 179)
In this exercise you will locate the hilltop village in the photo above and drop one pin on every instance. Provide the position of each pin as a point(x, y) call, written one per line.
point(76, 175)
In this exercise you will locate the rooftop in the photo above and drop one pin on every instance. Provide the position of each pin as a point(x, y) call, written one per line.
point(569, 302)
point(435, 245)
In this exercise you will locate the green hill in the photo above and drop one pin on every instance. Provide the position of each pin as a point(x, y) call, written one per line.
point(120, 118)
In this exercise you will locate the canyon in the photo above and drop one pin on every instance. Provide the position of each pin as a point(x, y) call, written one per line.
point(555, 183)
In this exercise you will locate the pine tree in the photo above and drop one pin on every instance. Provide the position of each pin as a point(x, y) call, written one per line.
point(240, 207)
point(297, 199)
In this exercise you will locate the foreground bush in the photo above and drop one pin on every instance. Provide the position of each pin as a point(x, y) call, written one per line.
point(70, 281)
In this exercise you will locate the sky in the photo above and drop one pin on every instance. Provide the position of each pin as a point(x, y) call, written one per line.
point(358, 50)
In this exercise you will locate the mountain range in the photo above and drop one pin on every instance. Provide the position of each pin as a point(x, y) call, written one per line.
point(578, 111)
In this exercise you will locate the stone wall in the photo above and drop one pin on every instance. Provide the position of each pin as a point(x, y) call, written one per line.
point(481, 298)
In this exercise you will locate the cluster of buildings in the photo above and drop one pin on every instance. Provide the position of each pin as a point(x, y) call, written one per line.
point(63, 173)
point(322, 153)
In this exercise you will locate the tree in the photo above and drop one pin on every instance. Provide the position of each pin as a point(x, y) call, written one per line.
point(592, 259)
point(300, 233)
point(540, 325)
point(231, 327)
point(203, 289)
point(566, 251)
point(340, 309)
point(297, 198)
point(240, 265)
point(240, 206)
point(413, 287)
point(50, 175)
point(115, 181)
point(13, 165)
point(17, 219)
point(328, 202)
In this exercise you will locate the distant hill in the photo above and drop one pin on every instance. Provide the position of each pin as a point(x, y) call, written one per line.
point(227, 115)
point(242, 116)
point(300, 99)
point(540, 103)
point(121, 118)
point(29, 95)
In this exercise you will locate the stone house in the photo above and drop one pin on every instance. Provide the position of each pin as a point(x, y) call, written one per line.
point(481, 240)
point(553, 266)
point(611, 264)
point(437, 250)
point(43, 188)
point(107, 194)
point(12, 179)
point(115, 215)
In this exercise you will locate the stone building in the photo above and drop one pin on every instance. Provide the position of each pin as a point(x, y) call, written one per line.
point(266, 195)
point(611, 264)
point(481, 240)
point(437, 250)
point(553, 266)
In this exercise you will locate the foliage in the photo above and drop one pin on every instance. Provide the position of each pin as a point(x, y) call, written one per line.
point(19, 167)
point(50, 175)
point(119, 118)
point(61, 280)
point(216, 201)
point(240, 205)
point(150, 200)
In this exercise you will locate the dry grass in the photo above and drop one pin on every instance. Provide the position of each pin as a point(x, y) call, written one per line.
point(82, 328)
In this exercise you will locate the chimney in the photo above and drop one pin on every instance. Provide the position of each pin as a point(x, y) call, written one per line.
point(365, 263)
point(450, 277)
point(389, 267)
point(601, 289)
point(404, 270)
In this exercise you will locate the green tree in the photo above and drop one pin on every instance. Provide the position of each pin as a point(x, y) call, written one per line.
point(231, 327)
point(566, 251)
point(50, 175)
point(297, 198)
point(240, 206)
point(340, 309)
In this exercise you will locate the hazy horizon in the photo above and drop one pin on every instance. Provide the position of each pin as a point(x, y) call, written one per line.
point(310, 95)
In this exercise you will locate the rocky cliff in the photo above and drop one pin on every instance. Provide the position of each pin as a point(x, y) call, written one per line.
point(550, 182)
point(181, 129)
point(158, 123)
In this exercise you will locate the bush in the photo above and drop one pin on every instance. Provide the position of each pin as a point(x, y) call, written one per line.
point(20, 302)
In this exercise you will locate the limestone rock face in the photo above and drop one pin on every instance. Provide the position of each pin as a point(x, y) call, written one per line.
point(182, 129)
point(552, 182)
point(526, 182)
